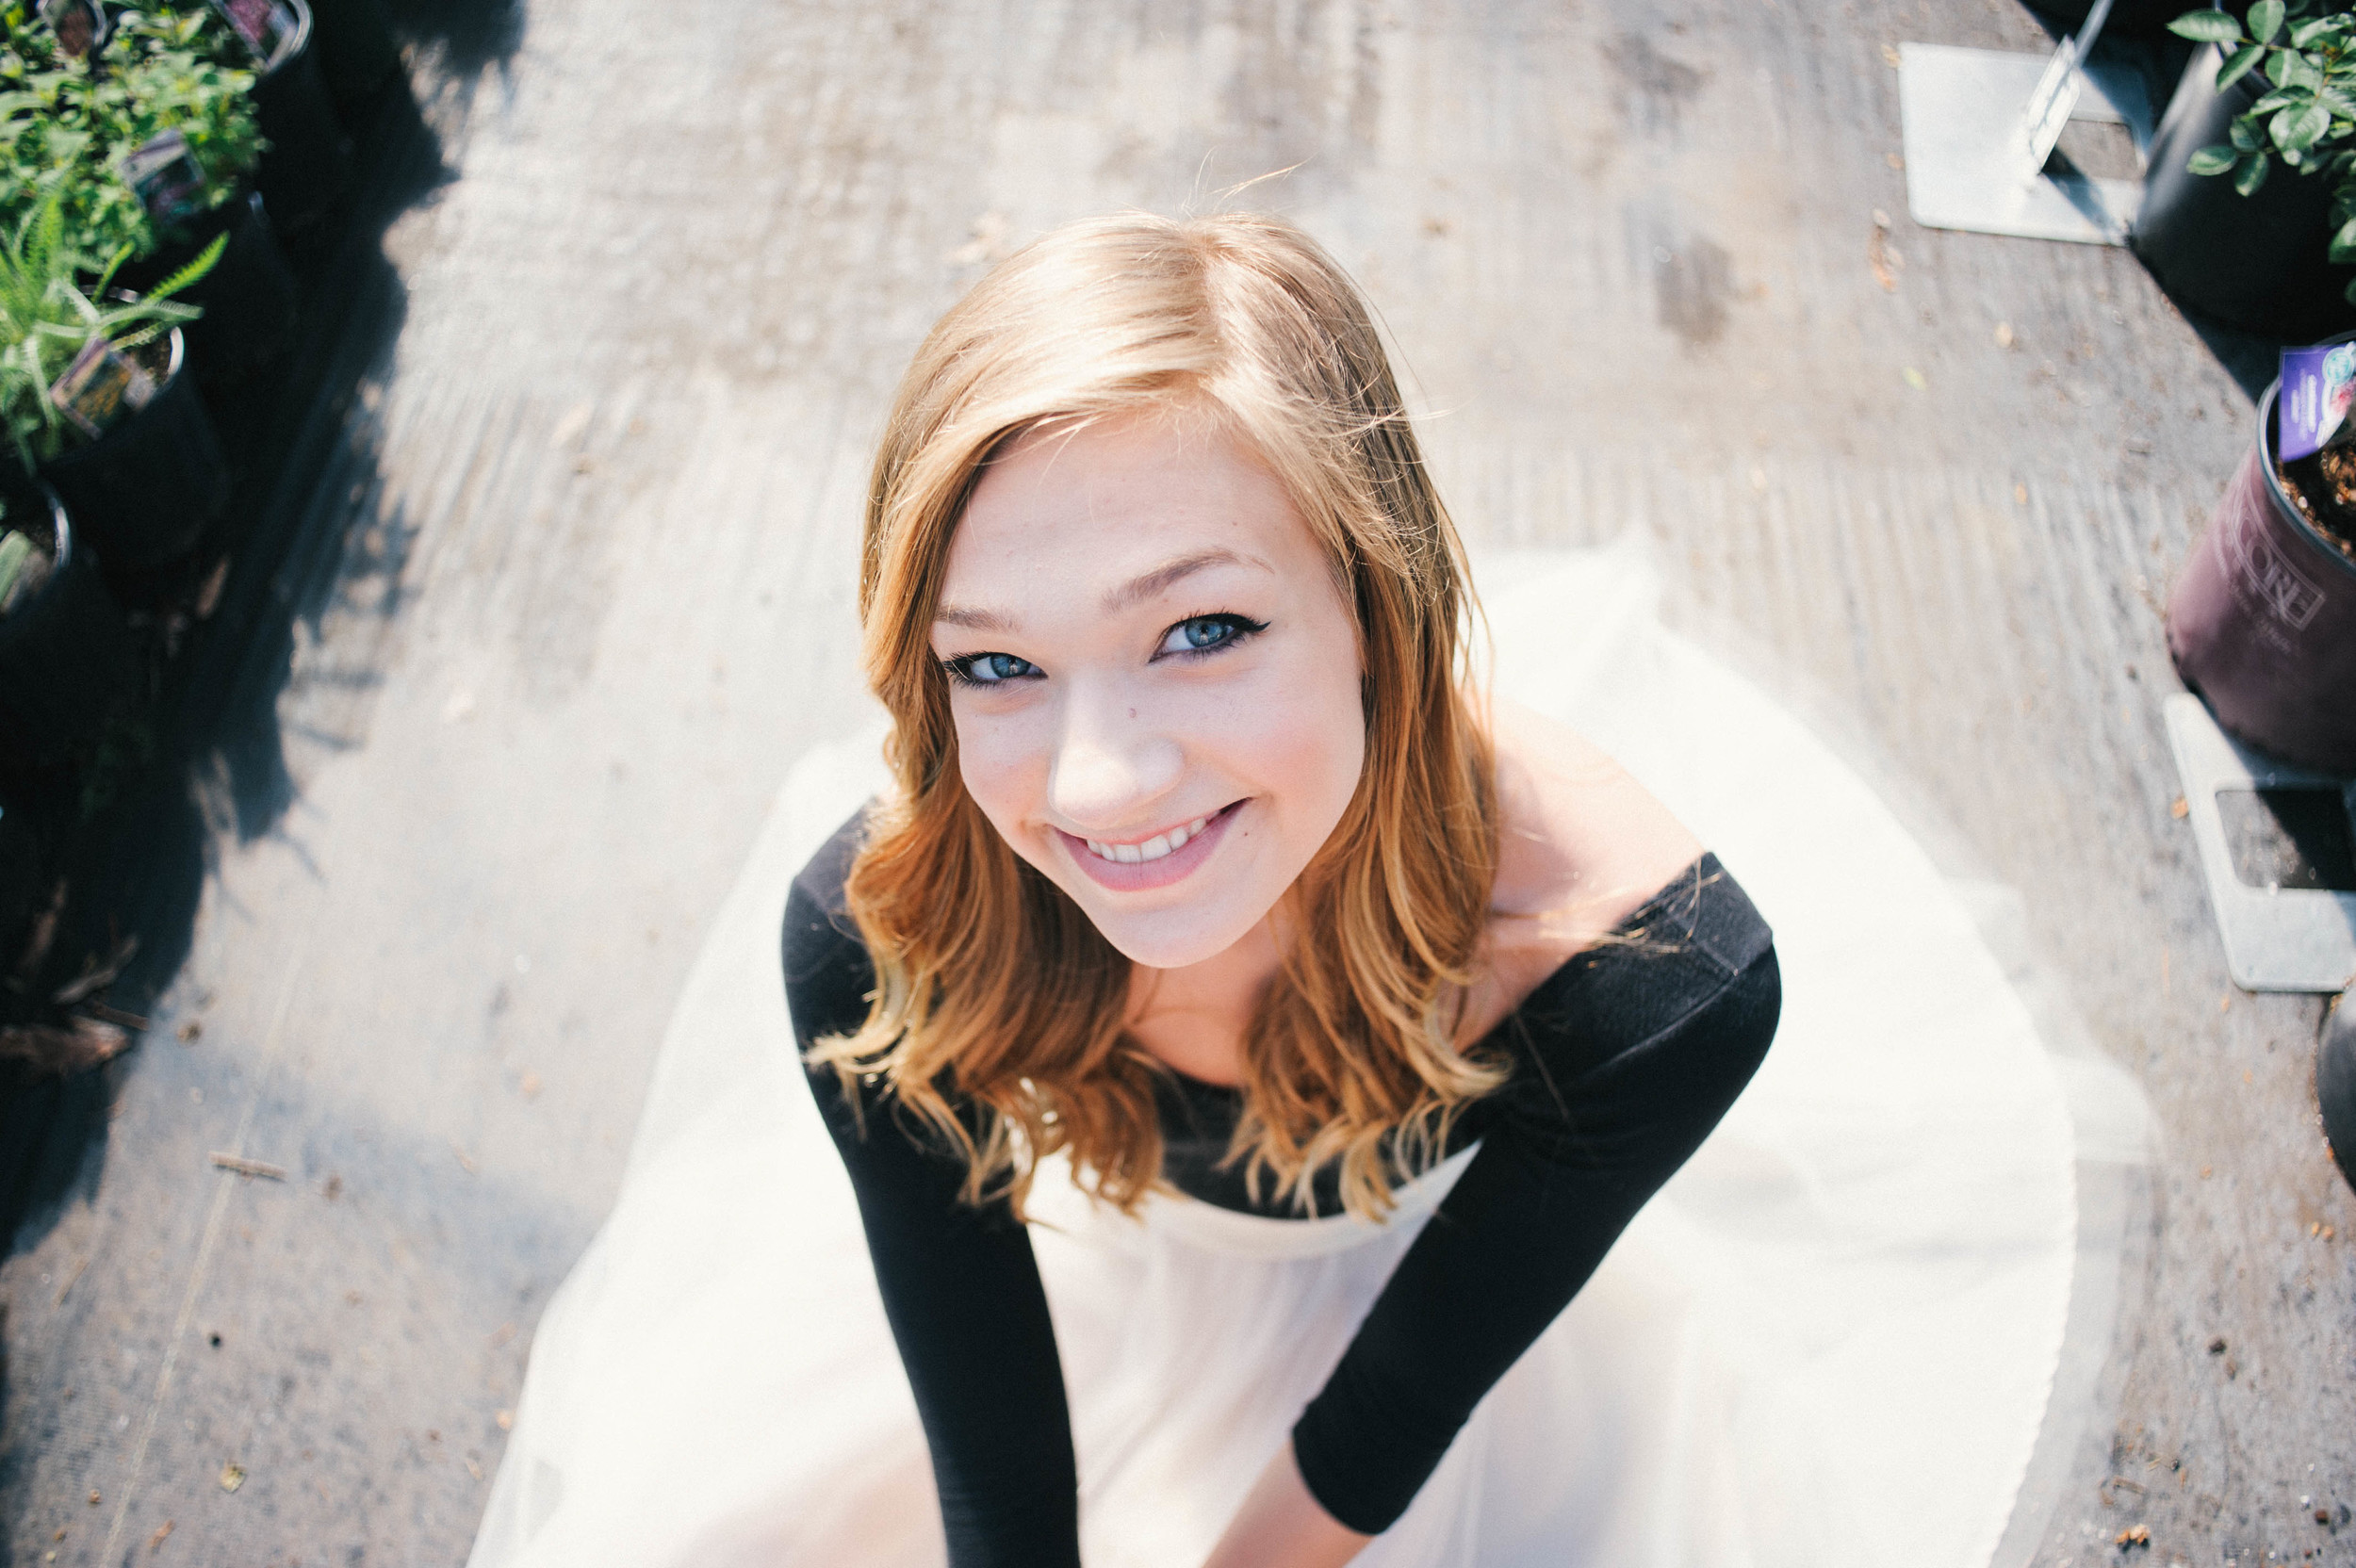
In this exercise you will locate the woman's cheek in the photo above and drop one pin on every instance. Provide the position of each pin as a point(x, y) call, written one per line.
point(993, 760)
point(1288, 738)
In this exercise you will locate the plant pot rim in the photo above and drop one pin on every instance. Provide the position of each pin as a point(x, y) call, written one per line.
point(61, 547)
point(2284, 507)
point(292, 49)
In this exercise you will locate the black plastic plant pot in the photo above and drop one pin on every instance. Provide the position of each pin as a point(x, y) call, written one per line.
point(354, 39)
point(2262, 262)
point(65, 652)
point(247, 298)
point(143, 491)
point(2138, 19)
point(2336, 1083)
point(308, 162)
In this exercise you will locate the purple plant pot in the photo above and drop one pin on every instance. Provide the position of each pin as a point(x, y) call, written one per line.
point(2262, 621)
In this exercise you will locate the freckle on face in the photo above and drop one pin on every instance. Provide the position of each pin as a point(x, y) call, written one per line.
point(1270, 725)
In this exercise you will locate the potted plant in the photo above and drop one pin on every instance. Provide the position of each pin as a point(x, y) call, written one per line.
point(2262, 621)
point(2336, 1083)
point(97, 401)
point(357, 55)
point(65, 652)
point(2222, 227)
point(151, 144)
point(307, 163)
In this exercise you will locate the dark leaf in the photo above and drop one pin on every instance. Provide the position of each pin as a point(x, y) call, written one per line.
point(2294, 130)
point(2237, 65)
point(2206, 26)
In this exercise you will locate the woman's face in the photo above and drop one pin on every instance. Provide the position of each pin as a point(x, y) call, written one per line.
point(1154, 680)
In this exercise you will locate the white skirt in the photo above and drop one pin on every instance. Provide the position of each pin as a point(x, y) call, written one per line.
point(1869, 1261)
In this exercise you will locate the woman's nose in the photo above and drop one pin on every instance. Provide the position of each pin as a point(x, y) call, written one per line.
point(1110, 764)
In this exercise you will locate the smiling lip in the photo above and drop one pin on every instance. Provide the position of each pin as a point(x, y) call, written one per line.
point(1107, 864)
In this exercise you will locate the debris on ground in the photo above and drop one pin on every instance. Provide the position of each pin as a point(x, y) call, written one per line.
point(244, 1166)
point(232, 1476)
point(97, 975)
point(74, 1046)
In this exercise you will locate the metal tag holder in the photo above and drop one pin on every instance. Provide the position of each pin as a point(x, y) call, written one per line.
point(2275, 939)
point(1980, 124)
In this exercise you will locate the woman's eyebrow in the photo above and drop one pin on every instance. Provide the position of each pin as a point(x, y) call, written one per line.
point(1135, 591)
point(1139, 589)
point(979, 620)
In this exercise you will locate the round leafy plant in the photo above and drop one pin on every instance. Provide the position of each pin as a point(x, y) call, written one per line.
point(70, 128)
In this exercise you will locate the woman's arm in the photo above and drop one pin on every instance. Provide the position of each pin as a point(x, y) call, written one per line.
point(1281, 1526)
point(1623, 1065)
point(960, 1283)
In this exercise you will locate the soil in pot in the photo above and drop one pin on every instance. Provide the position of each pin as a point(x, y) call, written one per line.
point(2323, 487)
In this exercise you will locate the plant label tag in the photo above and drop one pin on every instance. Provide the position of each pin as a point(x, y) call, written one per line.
point(2318, 386)
point(264, 24)
point(165, 175)
point(80, 26)
point(101, 386)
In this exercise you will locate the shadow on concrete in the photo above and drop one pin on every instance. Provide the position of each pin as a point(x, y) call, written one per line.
point(130, 833)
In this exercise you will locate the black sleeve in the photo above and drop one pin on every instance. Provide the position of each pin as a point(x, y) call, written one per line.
point(1624, 1061)
point(960, 1283)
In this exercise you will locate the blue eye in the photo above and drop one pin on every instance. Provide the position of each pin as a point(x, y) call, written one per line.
point(1209, 633)
point(988, 669)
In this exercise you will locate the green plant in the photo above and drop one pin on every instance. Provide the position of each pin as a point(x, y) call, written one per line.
point(67, 125)
point(47, 318)
point(19, 561)
point(2307, 118)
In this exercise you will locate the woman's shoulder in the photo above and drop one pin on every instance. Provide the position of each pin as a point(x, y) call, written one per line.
point(820, 938)
point(1582, 848)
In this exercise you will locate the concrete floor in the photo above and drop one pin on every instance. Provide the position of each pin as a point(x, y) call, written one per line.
point(563, 586)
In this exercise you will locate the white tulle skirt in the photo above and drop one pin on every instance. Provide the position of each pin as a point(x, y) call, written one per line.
point(1869, 1261)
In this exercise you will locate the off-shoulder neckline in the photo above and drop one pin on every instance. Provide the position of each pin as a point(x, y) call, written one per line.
point(1689, 882)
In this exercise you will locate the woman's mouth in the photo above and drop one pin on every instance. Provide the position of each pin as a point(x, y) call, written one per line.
point(1153, 861)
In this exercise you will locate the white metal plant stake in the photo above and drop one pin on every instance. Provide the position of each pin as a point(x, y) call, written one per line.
point(1980, 124)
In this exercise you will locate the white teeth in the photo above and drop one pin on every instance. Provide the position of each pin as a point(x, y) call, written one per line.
point(1151, 849)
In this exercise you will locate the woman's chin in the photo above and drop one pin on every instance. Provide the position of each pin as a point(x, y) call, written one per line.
point(1173, 938)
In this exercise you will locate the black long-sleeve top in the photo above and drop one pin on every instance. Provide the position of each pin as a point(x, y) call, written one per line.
point(1622, 1061)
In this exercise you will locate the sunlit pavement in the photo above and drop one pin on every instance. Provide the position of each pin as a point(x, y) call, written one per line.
point(570, 587)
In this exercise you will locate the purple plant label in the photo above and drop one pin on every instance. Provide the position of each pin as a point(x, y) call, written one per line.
point(99, 387)
point(2318, 385)
point(80, 27)
point(264, 24)
point(164, 174)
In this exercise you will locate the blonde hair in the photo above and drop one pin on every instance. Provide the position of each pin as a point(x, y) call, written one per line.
point(1000, 1025)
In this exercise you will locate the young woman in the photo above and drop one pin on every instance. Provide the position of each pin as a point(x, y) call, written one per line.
point(1243, 1037)
point(1207, 869)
